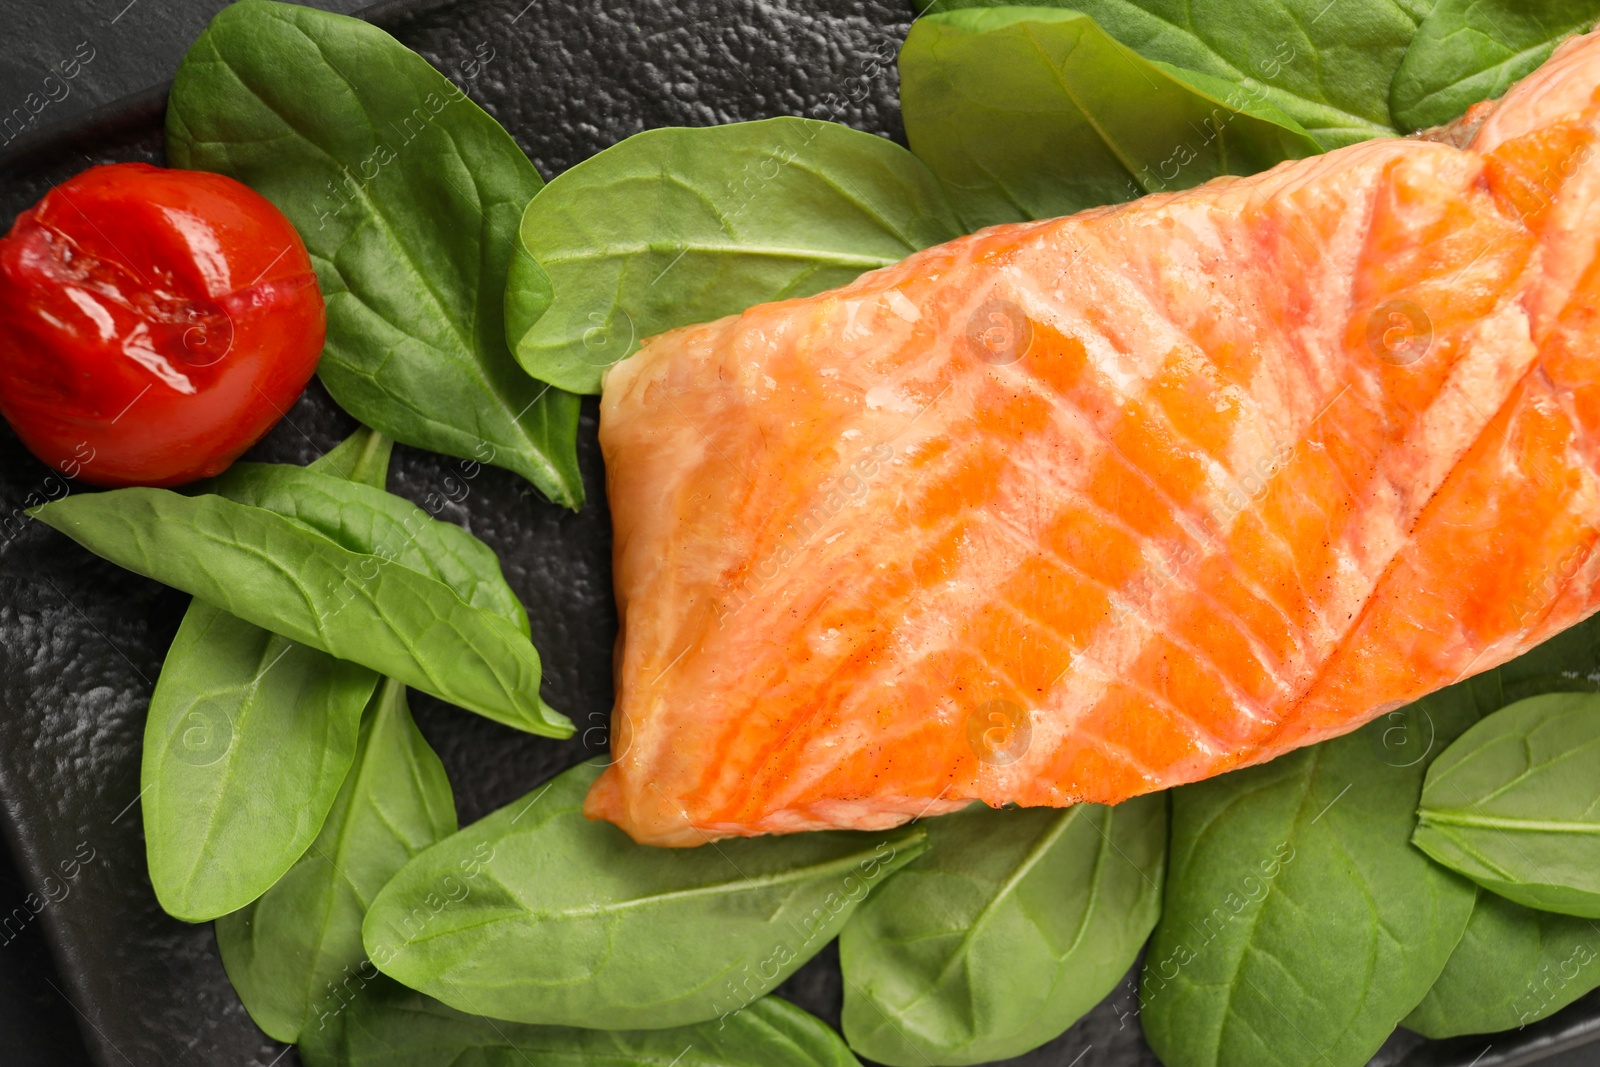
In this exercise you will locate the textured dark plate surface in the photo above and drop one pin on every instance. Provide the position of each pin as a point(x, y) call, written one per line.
point(83, 641)
point(63, 58)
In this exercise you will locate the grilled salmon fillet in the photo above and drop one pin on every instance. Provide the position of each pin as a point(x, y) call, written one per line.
point(1079, 509)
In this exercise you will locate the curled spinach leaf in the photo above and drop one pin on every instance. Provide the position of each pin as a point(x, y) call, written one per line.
point(679, 226)
point(389, 1025)
point(248, 736)
point(360, 459)
point(1471, 50)
point(1514, 966)
point(538, 915)
point(290, 953)
point(1514, 804)
point(1034, 112)
point(1008, 929)
point(407, 195)
point(284, 576)
point(1325, 65)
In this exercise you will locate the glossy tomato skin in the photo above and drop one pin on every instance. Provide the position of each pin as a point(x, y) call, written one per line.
point(154, 324)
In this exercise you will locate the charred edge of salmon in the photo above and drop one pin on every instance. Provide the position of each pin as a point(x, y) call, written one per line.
point(1460, 132)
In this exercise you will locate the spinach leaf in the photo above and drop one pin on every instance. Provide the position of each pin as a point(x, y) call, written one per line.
point(388, 1025)
point(1471, 50)
point(1515, 804)
point(407, 195)
point(360, 459)
point(1514, 966)
point(1299, 924)
point(538, 915)
point(1009, 928)
point(679, 226)
point(248, 736)
point(367, 519)
point(1034, 112)
point(287, 952)
point(1325, 65)
point(283, 576)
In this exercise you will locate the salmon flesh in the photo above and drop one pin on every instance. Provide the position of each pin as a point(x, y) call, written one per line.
point(1079, 509)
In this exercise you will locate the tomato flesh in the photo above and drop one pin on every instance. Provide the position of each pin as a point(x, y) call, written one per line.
point(153, 324)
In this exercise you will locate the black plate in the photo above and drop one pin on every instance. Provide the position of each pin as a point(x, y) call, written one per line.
point(83, 641)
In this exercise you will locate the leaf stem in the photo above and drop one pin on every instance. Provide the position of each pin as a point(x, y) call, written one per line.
point(372, 452)
point(1493, 822)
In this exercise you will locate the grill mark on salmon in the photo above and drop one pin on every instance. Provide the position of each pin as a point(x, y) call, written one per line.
point(1150, 544)
point(1194, 529)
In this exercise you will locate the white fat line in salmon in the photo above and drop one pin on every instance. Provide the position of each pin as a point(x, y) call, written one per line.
point(849, 488)
point(1233, 500)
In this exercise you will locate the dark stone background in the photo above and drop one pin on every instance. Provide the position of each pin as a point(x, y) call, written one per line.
point(102, 976)
point(129, 44)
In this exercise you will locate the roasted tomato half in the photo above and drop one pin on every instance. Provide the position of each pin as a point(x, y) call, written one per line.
point(153, 324)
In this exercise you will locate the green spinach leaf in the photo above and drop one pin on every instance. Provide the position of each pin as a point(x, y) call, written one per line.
point(284, 576)
point(538, 915)
point(1514, 804)
point(1514, 966)
point(368, 520)
point(290, 953)
point(1009, 928)
point(1471, 50)
point(407, 195)
point(248, 736)
point(1325, 65)
point(1297, 924)
point(679, 226)
point(1034, 112)
point(360, 459)
point(388, 1025)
